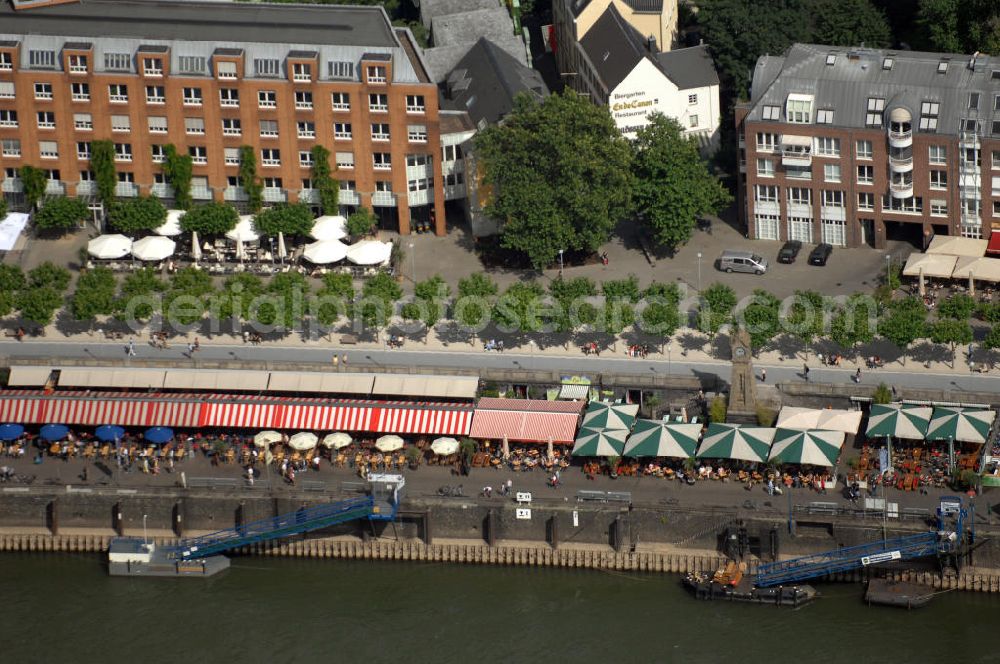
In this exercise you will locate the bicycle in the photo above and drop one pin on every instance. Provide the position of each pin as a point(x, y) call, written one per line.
point(450, 491)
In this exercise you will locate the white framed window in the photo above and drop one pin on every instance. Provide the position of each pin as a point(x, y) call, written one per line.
point(377, 74)
point(6, 61)
point(272, 183)
point(43, 91)
point(828, 147)
point(80, 91)
point(123, 152)
point(419, 159)
point(382, 161)
point(40, 59)
point(155, 94)
point(831, 172)
point(692, 121)
point(939, 179)
point(10, 147)
point(765, 167)
point(341, 101)
point(800, 196)
point(121, 123)
point(448, 153)
point(380, 131)
point(226, 69)
point(929, 115)
point(49, 149)
point(268, 128)
point(229, 97)
point(767, 142)
point(692, 99)
point(995, 160)
point(420, 184)
point(306, 129)
point(152, 67)
point(798, 109)
point(771, 113)
point(78, 64)
point(995, 186)
point(824, 116)
point(863, 149)
point(866, 174)
point(118, 93)
point(52, 175)
point(416, 133)
point(765, 193)
point(875, 109)
point(118, 61)
point(157, 124)
point(231, 127)
point(191, 64)
point(801, 229)
point(766, 226)
point(348, 185)
point(342, 131)
point(937, 154)
point(194, 126)
point(192, 97)
point(267, 99)
point(302, 72)
point(232, 181)
point(86, 176)
point(199, 154)
point(303, 100)
point(7, 89)
point(270, 156)
point(866, 200)
point(345, 160)
point(231, 156)
point(266, 67)
point(454, 179)
point(833, 198)
point(415, 104)
point(378, 103)
point(46, 120)
point(340, 69)
point(81, 121)
point(158, 153)
point(798, 172)
point(834, 231)
point(939, 207)
point(305, 159)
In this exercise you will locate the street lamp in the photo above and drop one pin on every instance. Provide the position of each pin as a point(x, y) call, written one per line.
point(668, 359)
point(699, 271)
point(888, 269)
point(413, 263)
point(145, 540)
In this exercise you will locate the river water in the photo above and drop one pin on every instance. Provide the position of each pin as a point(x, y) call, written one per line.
point(65, 608)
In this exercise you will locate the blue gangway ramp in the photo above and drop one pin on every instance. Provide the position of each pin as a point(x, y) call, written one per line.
point(293, 523)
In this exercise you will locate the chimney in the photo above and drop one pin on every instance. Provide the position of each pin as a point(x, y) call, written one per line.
point(651, 44)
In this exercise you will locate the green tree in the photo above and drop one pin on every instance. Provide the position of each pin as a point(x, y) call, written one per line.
point(39, 305)
point(361, 223)
point(620, 298)
point(850, 23)
point(474, 305)
point(248, 178)
point(323, 182)
point(960, 26)
point(671, 185)
point(958, 307)
point(61, 214)
point(855, 322)
point(716, 308)
point(3, 207)
point(137, 296)
point(289, 291)
point(951, 331)
point(882, 394)
point(290, 219)
point(806, 315)
point(519, 309)
point(661, 315)
point(102, 162)
point(186, 299)
point(94, 295)
point(134, 215)
point(378, 298)
point(49, 275)
point(336, 298)
point(210, 219)
point(905, 322)
point(178, 169)
point(992, 338)
point(430, 301)
point(34, 181)
point(12, 281)
point(558, 176)
point(760, 318)
point(571, 296)
point(238, 292)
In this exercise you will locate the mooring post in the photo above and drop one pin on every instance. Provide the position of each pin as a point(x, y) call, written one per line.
point(54, 516)
point(554, 532)
point(178, 517)
point(118, 520)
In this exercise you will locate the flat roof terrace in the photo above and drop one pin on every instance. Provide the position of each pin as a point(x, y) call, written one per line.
point(206, 21)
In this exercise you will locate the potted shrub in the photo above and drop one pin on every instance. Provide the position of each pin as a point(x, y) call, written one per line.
point(613, 466)
point(413, 455)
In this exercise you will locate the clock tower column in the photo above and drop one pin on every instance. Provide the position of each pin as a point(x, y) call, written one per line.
point(742, 388)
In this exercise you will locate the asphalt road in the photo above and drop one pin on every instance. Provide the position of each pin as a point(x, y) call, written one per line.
point(912, 375)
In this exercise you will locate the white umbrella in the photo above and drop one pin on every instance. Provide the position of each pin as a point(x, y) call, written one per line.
point(444, 446)
point(265, 438)
point(369, 252)
point(506, 448)
point(302, 441)
point(282, 252)
point(325, 251)
point(329, 228)
point(239, 250)
point(109, 246)
point(195, 247)
point(172, 226)
point(337, 440)
point(153, 248)
point(244, 230)
point(389, 443)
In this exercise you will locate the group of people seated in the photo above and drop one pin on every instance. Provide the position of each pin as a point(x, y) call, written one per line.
point(494, 345)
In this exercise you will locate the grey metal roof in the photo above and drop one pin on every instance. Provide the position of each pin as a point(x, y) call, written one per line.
point(645, 5)
point(430, 9)
point(578, 6)
point(614, 47)
point(205, 21)
point(69, 46)
point(149, 48)
point(486, 80)
point(689, 67)
point(857, 74)
point(441, 60)
point(467, 27)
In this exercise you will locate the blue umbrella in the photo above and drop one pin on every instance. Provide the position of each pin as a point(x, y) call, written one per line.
point(11, 431)
point(53, 432)
point(109, 433)
point(159, 435)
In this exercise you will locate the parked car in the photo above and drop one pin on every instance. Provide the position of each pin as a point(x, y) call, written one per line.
point(742, 261)
point(820, 254)
point(789, 251)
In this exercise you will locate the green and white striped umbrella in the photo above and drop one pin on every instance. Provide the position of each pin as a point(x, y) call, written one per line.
point(602, 415)
point(898, 420)
point(732, 441)
point(815, 447)
point(967, 425)
point(600, 442)
point(660, 439)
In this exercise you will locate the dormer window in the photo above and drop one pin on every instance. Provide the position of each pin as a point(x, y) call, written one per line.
point(887, 64)
point(824, 116)
point(873, 117)
point(942, 67)
point(831, 59)
point(974, 101)
point(771, 113)
point(798, 109)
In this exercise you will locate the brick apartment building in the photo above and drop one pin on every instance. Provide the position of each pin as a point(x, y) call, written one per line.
point(854, 146)
point(209, 77)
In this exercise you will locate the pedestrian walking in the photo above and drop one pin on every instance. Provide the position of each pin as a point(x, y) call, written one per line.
point(805, 372)
point(857, 375)
point(197, 344)
point(343, 360)
point(130, 349)
point(190, 349)
point(510, 486)
point(250, 475)
point(763, 375)
point(336, 360)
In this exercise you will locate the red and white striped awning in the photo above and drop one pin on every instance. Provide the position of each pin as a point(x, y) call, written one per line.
point(20, 407)
point(526, 420)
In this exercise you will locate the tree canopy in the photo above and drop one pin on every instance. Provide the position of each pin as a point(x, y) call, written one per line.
point(360, 223)
point(137, 296)
point(575, 308)
point(210, 219)
point(671, 186)
point(429, 301)
point(61, 214)
point(133, 215)
point(904, 322)
point(716, 308)
point(49, 274)
point(760, 318)
point(95, 294)
point(475, 301)
point(558, 174)
point(960, 26)
point(287, 218)
point(519, 309)
point(378, 299)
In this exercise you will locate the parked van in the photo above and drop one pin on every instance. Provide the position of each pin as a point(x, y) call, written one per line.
point(742, 261)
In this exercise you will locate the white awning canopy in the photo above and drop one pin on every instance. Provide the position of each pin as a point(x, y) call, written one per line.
point(153, 248)
point(412, 385)
point(172, 226)
point(108, 247)
point(369, 252)
point(930, 265)
point(829, 419)
point(330, 227)
point(28, 376)
point(574, 392)
point(244, 230)
point(799, 141)
point(325, 251)
point(981, 269)
point(308, 381)
point(957, 246)
point(110, 377)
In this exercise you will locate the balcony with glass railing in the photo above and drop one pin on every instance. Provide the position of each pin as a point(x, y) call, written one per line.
point(274, 195)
